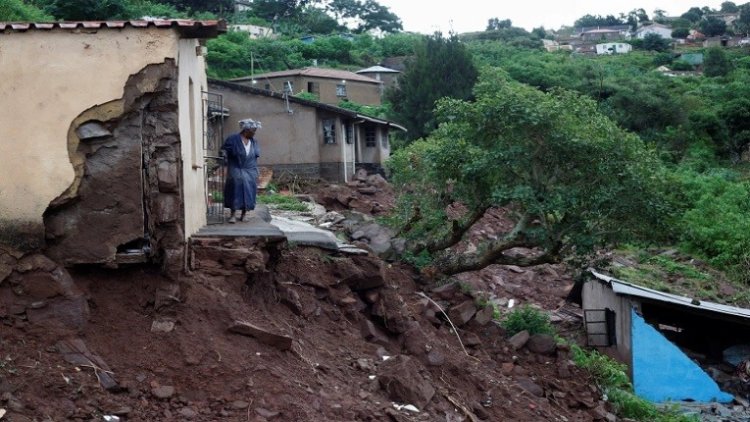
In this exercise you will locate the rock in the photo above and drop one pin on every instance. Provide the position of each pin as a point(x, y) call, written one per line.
point(164, 326)
point(266, 337)
point(163, 392)
point(393, 310)
point(530, 386)
point(167, 176)
point(543, 344)
point(13, 403)
point(367, 273)
point(361, 175)
point(373, 334)
point(92, 130)
point(268, 414)
point(187, 413)
point(519, 340)
point(598, 413)
point(515, 269)
point(736, 354)
point(447, 291)
point(414, 340)
point(376, 180)
point(122, 411)
point(7, 263)
point(239, 405)
point(462, 313)
point(507, 368)
point(480, 411)
point(484, 315)
point(403, 383)
point(611, 417)
point(344, 199)
point(435, 357)
point(471, 340)
point(563, 371)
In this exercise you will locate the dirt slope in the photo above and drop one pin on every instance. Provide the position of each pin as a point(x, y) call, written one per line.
point(342, 338)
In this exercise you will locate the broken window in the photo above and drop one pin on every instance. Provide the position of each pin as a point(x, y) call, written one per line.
point(329, 131)
point(288, 87)
point(313, 88)
point(349, 132)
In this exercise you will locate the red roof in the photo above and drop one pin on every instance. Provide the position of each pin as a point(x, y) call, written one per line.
point(316, 72)
point(188, 28)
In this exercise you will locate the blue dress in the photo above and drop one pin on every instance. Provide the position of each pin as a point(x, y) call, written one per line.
point(242, 177)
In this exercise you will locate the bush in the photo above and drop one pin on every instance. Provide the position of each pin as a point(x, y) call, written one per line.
point(527, 318)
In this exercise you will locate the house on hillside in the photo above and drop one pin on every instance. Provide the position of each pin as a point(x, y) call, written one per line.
point(389, 77)
point(661, 336)
point(604, 33)
point(309, 138)
point(330, 85)
point(254, 31)
point(663, 31)
point(613, 48)
point(111, 169)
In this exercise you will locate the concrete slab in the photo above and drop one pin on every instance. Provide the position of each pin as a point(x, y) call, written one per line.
point(302, 233)
point(253, 227)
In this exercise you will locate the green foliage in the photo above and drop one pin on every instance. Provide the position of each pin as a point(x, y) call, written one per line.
point(681, 33)
point(420, 260)
point(108, 9)
point(381, 111)
point(19, 11)
point(552, 157)
point(310, 96)
point(716, 63)
point(598, 20)
point(712, 26)
point(527, 318)
point(442, 67)
point(282, 202)
point(652, 42)
point(613, 380)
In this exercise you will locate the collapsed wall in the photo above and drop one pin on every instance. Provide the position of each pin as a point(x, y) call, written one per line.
point(126, 197)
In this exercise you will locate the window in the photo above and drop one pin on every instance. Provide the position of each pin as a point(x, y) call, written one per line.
point(329, 131)
point(288, 87)
point(268, 87)
point(341, 90)
point(349, 131)
point(384, 140)
point(370, 136)
point(313, 88)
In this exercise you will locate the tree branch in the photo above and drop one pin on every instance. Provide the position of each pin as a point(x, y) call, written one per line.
point(457, 232)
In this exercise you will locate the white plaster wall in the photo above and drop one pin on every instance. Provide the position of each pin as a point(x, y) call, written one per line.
point(47, 78)
point(192, 67)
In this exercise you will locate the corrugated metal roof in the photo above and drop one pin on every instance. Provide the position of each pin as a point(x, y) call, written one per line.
point(200, 29)
point(626, 289)
point(293, 99)
point(317, 72)
point(378, 69)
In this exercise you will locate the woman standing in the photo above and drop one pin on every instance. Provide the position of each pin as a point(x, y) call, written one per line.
point(241, 152)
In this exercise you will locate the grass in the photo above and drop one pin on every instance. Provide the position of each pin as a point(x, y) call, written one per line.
point(527, 318)
point(612, 378)
point(282, 202)
point(678, 274)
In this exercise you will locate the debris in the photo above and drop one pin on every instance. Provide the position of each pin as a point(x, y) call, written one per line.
point(163, 391)
point(463, 312)
point(409, 407)
point(543, 344)
point(75, 351)
point(164, 326)
point(268, 414)
point(2, 413)
point(519, 339)
point(403, 382)
point(111, 418)
point(264, 336)
point(530, 386)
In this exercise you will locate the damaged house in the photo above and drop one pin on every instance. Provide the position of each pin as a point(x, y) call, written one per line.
point(673, 345)
point(102, 138)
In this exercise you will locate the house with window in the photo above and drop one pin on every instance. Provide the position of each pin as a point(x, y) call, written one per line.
point(330, 85)
point(389, 77)
point(307, 138)
point(102, 139)
point(613, 48)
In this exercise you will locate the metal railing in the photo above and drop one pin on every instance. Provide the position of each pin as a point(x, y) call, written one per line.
point(215, 176)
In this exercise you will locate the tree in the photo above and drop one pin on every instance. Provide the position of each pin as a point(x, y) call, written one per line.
point(729, 7)
point(598, 20)
point(653, 42)
point(82, 10)
point(18, 11)
point(442, 67)
point(566, 176)
point(694, 14)
point(712, 26)
point(744, 20)
point(220, 7)
point(716, 63)
point(680, 33)
point(660, 16)
point(373, 15)
point(495, 24)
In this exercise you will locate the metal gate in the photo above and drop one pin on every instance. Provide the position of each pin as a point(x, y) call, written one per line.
point(213, 166)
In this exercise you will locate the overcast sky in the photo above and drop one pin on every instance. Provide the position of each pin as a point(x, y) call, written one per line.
point(427, 16)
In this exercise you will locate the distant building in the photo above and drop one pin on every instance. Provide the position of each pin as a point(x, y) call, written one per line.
point(598, 33)
point(613, 48)
point(663, 31)
point(389, 77)
point(255, 31)
point(330, 85)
